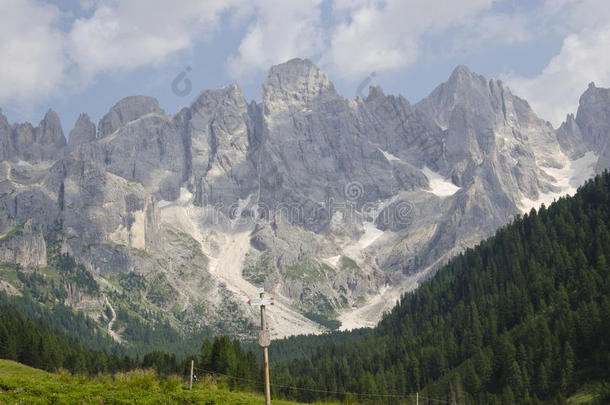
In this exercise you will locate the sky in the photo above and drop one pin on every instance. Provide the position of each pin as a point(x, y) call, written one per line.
point(84, 56)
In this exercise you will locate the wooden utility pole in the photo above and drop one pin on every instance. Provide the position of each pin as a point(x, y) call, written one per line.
point(417, 398)
point(264, 340)
point(191, 382)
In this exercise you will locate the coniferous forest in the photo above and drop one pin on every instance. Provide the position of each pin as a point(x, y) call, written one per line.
point(524, 317)
point(33, 343)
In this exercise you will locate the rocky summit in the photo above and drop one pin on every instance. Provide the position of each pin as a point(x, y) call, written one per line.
point(335, 206)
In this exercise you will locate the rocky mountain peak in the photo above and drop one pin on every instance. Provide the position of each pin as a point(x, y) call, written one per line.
point(463, 88)
point(219, 98)
point(297, 81)
point(5, 133)
point(593, 97)
point(460, 71)
point(375, 91)
point(127, 110)
point(49, 131)
point(83, 131)
point(570, 138)
point(593, 116)
point(4, 125)
point(473, 93)
point(463, 77)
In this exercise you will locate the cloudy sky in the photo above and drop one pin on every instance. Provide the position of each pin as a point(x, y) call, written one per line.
point(83, 56)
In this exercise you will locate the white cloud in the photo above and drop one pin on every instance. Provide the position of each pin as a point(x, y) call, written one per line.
point(130, 34)
point(281, 30)
point(569, 16)
point(502, 27)
point(39, 58)
point(31, 50)
point(376, 36)
point(583, 58)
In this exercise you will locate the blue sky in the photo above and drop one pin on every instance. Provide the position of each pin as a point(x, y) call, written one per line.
point(84, 56)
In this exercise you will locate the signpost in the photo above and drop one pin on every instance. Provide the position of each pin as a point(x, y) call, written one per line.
point(260, 301)
point(264, 339)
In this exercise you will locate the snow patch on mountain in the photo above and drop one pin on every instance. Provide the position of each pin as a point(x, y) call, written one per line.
point(370, 235)
point(572, 175)
point(438, 184)
point(333, 261)
point(389, 156)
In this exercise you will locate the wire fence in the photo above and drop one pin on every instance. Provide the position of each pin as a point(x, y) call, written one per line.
point(320, 391)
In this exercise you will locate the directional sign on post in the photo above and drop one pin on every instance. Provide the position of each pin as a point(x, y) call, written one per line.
point(264, 339)
point(260, 301)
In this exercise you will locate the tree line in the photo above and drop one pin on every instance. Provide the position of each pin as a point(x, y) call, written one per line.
point(34, 343)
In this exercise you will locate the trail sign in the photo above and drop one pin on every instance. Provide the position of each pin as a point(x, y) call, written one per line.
point(260, 301)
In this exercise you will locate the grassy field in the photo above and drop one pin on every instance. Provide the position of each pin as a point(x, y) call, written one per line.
point(589, 394)
point(20, 384)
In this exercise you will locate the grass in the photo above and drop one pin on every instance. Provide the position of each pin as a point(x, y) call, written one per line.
point(308, 270)
point(257, 273)
point(141, 253)
point(348, 264)
point(160, 291)
point(587, 394)
point(187, 242)
point(51, 273)
point(8, 274)
point(323, 320)
point(11, 234)
point(20, 384)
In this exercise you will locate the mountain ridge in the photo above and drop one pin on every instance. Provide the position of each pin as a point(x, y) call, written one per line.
point(335, 205)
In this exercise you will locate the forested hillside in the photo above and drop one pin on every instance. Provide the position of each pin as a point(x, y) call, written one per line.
point(524, 317)
point(32, 342)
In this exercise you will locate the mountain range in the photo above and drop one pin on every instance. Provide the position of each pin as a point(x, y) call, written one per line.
point(335, 206)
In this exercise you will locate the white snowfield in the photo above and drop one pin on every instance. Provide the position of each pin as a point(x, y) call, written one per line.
point(369, 315)
point(389, 156)
point(370, 235)
point(438, 184)
point(572, 175)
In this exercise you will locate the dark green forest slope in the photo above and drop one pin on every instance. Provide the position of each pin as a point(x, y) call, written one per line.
point(522, 318)
point(32, 342)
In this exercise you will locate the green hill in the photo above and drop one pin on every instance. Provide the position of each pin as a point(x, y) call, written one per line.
point(522, 318)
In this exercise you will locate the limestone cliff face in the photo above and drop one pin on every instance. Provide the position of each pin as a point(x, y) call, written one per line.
point(6, 147)
point(42, 143)
point(593, 119)
point(324, 200)
point(24, 245)
point(219, 130)
point(590, 129)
